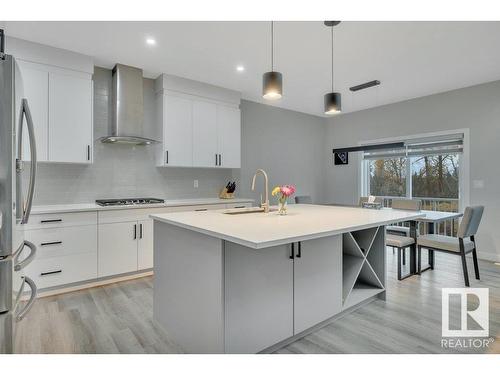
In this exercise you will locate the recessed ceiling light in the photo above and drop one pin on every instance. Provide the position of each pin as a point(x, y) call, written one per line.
point(240, 68)
point(150, 41)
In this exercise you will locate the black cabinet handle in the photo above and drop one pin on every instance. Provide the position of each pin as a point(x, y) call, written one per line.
point(216, 159)
point(239, 206)
point(51, 243)
point(166, 157)
point(2, 43)
point(88, 152)
point(135, 231)
point(299, 253)
point(292, 252)
point(220, 160)
point(51, 221)
point(50, 273)
point(140, 230)
point(201, 209)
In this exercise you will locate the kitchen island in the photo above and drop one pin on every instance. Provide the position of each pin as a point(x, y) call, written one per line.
point(251, 282)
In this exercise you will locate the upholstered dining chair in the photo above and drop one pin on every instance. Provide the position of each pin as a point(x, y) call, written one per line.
point(401, 243)
point(403, 204)
point(400, 230)
point(461, 245)
point(303, 199)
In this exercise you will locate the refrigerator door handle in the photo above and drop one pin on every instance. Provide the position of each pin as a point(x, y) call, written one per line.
point(26, 206)
point(19, 265)
point(21, 314)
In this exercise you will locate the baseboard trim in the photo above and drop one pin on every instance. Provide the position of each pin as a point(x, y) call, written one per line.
point(90, 284)
point(490, 257)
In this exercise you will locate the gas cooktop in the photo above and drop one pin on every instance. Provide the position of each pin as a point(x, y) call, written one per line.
point(128, 201)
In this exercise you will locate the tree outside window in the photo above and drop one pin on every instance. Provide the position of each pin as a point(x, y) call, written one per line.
point(388, 177)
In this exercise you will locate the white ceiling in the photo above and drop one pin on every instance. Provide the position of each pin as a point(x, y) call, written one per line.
point(411, 59)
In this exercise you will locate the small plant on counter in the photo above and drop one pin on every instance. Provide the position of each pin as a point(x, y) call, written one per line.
point(282, 193)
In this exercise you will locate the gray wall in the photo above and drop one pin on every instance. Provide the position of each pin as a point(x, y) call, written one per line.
point(288, 145)
point(477, 108)
point(119, 170)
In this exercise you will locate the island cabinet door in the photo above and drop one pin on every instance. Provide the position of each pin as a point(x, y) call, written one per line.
point(258, 297)
point(317, 281)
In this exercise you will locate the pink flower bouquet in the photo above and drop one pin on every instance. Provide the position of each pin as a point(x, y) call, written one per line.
point(283, 192)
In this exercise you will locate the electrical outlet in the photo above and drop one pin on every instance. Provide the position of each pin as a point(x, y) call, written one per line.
point(195, 184)
point(478, 184)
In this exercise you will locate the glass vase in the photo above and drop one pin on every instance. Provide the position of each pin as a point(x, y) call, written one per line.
point(282, 207)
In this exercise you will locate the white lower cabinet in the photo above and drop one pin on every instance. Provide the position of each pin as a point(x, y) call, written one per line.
point(65, 255)
point(277, 292)
point(145, 245)
point(117, 248)
point(125, 247)
point(74, 247)
point(56, 271)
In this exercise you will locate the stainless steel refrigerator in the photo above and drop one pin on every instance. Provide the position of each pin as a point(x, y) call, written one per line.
point(15, 252)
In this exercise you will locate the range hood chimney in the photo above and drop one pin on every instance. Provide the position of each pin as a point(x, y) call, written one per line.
point(128, 107)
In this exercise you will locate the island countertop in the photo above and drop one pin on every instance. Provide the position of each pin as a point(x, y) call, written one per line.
point(303, 222)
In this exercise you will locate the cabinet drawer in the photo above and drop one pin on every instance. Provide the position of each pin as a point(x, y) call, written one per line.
point(53, 242)
point(55, 271)
point(39, 221)
point(134, 214)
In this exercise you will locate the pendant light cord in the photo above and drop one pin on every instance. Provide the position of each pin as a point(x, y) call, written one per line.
point(332, 58)
point(272, 46)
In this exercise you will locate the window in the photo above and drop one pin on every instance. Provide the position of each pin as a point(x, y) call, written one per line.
point(426, 168)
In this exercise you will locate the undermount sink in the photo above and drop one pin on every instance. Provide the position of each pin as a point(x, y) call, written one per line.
point(246, 210)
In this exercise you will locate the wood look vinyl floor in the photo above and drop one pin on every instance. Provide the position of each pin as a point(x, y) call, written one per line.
point(118, 318)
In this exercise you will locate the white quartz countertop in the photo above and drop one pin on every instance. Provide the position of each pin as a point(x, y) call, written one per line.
point(79, 207)
point(303, 222)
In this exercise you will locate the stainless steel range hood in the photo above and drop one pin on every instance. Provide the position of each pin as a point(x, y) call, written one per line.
point(128, 107)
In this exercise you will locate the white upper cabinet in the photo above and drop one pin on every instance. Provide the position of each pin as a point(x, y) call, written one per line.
point(200, 124)
point(70, 118)
point(60, 101)
point(35, 84)
point(229, 136)
point(177, 132)
point(205, 134)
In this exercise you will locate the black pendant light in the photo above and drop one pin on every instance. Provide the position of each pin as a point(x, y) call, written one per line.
point(272, 82)
point(333, 100)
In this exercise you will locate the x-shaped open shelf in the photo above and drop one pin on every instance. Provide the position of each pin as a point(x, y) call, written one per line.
point(363, 265)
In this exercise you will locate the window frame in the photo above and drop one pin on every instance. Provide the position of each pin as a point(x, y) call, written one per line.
point(463, 168)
